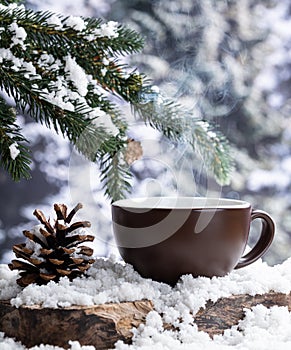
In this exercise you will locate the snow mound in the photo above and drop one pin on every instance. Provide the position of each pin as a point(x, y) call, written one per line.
point(110, 280)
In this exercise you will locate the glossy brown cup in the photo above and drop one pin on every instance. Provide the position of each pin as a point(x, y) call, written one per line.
point(165, 238)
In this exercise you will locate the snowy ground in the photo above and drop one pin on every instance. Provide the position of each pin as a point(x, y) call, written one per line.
point(112, 281)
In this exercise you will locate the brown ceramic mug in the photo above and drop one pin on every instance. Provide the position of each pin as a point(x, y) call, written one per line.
point(167, 237)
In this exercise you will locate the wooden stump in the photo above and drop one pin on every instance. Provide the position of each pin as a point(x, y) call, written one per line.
point(103, 325)
point(100, 325)
point(226, 312)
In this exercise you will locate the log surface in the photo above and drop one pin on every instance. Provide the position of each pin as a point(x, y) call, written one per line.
point(103, 325)
point(227, 312)
point(100, 325)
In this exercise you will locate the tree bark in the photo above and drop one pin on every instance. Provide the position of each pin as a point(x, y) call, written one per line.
point(100, 325)
point(226, 312)
point(103, 325)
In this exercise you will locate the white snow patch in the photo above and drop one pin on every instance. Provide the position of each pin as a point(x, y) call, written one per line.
point(19, 34)
point(11, 344)
point(104, 120)
point(8, 288)
point(113, 281)
point(55, 21)
point(109, 30)
point(11, 7)
point(14, 151)
point(77, 75)
point(75, 22)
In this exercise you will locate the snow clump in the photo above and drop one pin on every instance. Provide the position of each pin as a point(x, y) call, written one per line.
point(110, 280)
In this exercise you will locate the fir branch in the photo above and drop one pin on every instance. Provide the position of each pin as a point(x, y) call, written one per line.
point(108, 154)
point(85, 54)
point(101, 101)
point(72, 124)
point(127, 42)
point(42, 70)
point(59, 39)
point(178, 124)
point(8, 2)
point(94, 143)
point(22, 91)
point(214, 149)
point(115, 175)
point(10, 134)
point(31, 89)
point(89, 139)
point(126, 86)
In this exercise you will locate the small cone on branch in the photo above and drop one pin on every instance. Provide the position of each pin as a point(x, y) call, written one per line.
point(53, 251)
point(133, 151)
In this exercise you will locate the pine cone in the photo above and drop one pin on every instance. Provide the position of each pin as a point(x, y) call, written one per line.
point(133, 151)
point(52, 252)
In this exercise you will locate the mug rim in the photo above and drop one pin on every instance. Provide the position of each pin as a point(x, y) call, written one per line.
point(165, 202)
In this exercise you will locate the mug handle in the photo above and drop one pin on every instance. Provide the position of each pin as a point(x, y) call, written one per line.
point(265, 239)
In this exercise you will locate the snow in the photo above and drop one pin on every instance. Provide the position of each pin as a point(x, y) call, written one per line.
point(77, 75)
point(76, 23)
point(36, 249)
point(54, 21)
point(14, 151)
point(10, 344)
point(104, 120)
point(11, 7)
point(261, 329)
point(60, 92)
point(59, 22)
point(108, 30)
point(103, 71)
point(19, 34)
point(111, 280)
point(18, 64)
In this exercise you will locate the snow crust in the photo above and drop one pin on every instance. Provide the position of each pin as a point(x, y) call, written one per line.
point(19, 34)
point(14, 151)
point(77, 75)
point(113, 281)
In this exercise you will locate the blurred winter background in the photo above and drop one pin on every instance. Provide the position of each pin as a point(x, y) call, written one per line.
point(228, 60)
